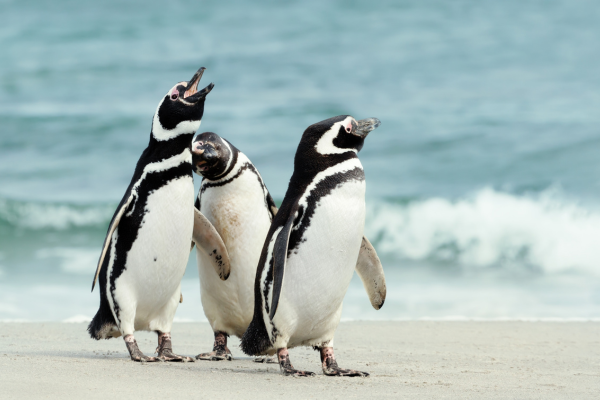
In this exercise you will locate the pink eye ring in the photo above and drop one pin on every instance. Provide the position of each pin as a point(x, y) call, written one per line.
point(174, 95)
point(349, 127)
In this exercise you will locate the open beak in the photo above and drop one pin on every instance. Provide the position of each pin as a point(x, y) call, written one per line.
point(365, 126)
point(192, 94)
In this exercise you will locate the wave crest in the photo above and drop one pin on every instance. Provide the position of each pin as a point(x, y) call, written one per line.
point(491, 228)
point(37, 216)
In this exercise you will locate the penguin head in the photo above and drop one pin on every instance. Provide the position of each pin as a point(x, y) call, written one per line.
point(338, 135)
point(181, 110)
point(211, 155)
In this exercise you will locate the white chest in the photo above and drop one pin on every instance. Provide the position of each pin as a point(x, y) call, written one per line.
point(159, 254)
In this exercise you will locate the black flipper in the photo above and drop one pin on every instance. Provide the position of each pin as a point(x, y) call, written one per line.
point(280, 250)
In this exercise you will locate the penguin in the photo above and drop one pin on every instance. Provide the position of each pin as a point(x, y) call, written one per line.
point(147, 245)
point(313, 247)
point(235, 200)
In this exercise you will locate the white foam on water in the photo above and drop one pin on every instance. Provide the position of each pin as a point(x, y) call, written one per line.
point(491, 228)
point(32, 215)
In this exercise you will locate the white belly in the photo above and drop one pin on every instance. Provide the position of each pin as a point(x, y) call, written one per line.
point(157, 260)
point(317, 276)
point(238, 212)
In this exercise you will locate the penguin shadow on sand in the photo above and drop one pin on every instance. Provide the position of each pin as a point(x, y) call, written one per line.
point(313, 246)
point(147, 245)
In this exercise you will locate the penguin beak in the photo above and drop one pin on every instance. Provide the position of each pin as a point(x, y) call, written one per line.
point(364, 126)
point(192, 94)
point(203, 155)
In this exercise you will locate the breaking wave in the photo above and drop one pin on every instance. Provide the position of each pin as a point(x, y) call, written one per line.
point(544, 232)
point(491, 228)
point(38, 216)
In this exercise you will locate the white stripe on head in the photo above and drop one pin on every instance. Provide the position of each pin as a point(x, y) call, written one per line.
point(228, 161)
point(325, 144)
point(161, 134)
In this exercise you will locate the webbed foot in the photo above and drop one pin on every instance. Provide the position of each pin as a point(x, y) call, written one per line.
point(286, 366)
point(135, 352)
point(165, 350)
point(331, 368)
point(220, 351)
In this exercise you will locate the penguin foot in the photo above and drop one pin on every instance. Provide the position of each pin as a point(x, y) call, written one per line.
point(165, 350)
point(135, 352)
point(215, 355)
point(287, 369)
point(266, 360)
point(220, 351)
point(331, 368)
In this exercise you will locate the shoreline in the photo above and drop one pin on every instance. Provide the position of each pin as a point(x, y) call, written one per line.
point(425, 359)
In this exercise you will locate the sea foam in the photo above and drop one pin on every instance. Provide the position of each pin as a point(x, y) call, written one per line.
point(37, 216)
point(490, 228)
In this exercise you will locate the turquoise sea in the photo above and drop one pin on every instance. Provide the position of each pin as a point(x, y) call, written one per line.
point(483, 181)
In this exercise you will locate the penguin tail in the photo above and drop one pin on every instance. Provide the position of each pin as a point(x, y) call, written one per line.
point(103, 325)
point(255, 340)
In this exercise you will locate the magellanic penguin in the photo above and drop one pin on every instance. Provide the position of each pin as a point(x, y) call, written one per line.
point(148, 240)
point(234, 198)
point(313, 247)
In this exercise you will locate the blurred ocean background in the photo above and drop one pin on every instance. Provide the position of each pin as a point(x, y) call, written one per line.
point(483, 181)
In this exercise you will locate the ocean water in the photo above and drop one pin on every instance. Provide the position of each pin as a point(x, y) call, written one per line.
point(483, 181)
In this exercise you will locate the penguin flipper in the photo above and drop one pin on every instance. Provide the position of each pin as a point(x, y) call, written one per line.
point(370, 271)
point(111, 229)
point(280, 250)
point(208, 240)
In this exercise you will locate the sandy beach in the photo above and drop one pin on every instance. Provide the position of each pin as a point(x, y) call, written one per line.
point(534, 360)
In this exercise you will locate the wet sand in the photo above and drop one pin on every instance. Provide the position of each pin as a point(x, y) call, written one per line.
point(466, 360)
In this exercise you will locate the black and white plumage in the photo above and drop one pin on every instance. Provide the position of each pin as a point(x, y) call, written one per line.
point(235, 200)
point(148, 240)
point(313, 247)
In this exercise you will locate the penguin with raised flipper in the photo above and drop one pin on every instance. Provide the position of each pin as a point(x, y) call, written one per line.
point(235, 200)
point(313, 247)
point(148, 240)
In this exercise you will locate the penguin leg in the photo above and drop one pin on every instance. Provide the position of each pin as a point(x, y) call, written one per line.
point(165, 349)
point(286, 366)
point(135, 352)
point(330, 366)
point(266, 360)
point(220, 350)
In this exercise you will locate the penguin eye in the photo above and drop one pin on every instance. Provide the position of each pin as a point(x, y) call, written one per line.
point(174, 95)
point(349, 127)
